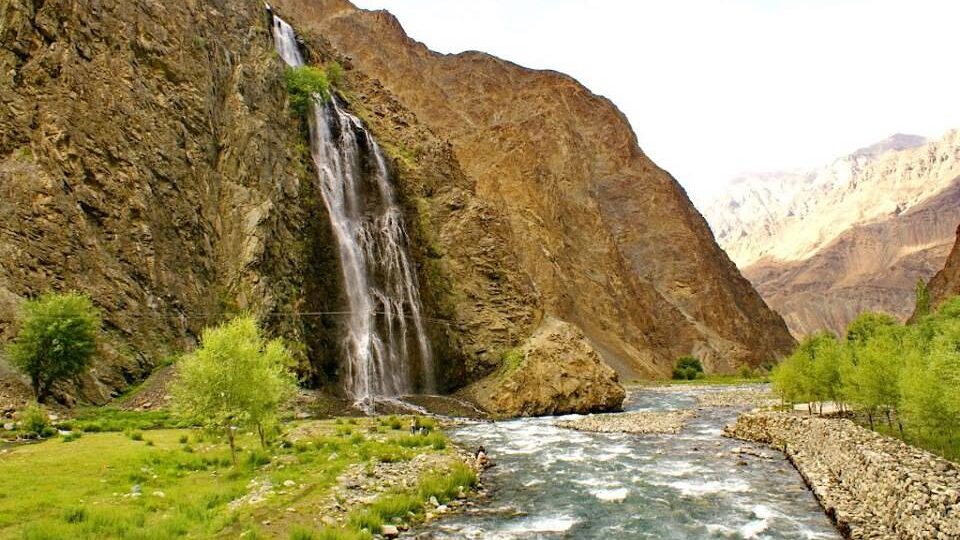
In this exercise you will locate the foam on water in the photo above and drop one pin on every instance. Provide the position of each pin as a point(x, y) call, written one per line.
point(611, 495)
point(552, 524)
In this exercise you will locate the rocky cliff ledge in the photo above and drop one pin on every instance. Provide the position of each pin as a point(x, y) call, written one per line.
point(870, 485)
point(556, 371)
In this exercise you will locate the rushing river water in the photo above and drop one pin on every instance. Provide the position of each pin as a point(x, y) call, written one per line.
point(557, 483)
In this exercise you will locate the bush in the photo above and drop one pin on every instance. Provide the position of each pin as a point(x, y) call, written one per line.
point(304, 85)
point(335, 73)
point(34, 422)
point(688, 368)
point(56, 340)
point(72, 436)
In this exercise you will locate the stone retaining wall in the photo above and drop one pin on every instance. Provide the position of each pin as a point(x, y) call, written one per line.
point(870, 485)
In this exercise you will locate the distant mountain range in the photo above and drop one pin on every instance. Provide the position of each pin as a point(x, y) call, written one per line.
point(823, 244)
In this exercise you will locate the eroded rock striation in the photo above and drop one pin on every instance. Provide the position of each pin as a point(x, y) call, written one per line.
point(870, 485)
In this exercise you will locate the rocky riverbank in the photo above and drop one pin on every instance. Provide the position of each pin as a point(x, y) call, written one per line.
point(636, 422)
point(740, 397)
point(871, 486)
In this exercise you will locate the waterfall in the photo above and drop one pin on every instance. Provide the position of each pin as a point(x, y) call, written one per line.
point(385, 341)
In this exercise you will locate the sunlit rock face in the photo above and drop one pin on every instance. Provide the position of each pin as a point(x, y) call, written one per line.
point(609, 241)
point(946, 283)
point(823, 245)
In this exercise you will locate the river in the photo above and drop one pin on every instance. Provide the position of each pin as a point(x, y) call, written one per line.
point(551, 482)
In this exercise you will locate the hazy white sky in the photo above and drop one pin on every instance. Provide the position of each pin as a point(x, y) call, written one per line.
point(716, 87)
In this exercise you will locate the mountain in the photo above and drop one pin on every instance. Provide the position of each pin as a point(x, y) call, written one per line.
point(825, 244)
point(149, 158)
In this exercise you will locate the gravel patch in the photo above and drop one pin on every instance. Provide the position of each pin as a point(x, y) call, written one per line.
point(642, 422)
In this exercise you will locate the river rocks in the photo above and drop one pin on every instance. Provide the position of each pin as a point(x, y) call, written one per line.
point(634, 422)
point(556, 371)
point(870, 485)
point(741, 397)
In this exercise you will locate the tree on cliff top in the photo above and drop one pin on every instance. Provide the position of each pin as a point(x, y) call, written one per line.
point(56, 340)
point(236, 379)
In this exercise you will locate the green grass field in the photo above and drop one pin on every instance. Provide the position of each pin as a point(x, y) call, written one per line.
point(87, 487)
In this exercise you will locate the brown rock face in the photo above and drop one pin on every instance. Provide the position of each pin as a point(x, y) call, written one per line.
point(556, 371)
point(609, 240)
point(872, 267)
point(946, 283)
point(147, 159)
point(164, 175)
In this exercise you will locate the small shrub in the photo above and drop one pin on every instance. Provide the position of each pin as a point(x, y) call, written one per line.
point(184, 439)
point(335, 73)
point(256, 458)
point(136, 436)
point(688, 368)
point(394, 423)
point(72, 436)
point(367, 519)
point(34, 421)
point(75, 515)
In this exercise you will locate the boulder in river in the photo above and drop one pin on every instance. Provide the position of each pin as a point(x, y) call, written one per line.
point(556, 371)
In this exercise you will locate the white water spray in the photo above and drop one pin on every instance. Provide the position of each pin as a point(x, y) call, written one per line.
point(385, 320)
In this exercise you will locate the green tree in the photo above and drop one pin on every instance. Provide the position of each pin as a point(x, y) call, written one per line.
point(923, 299)
point(812, 372)
point(56, 340)
point(930, 386)
point(235, 379)
point(871, 376)
point(867, 325)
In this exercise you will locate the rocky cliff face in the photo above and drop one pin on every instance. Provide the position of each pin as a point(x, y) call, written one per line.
point(164, 175)
point(946, 283)
point(821, 246)
point(150, 159)
point(610, 241)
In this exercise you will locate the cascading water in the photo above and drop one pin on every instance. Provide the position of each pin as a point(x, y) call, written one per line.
point(384, 321)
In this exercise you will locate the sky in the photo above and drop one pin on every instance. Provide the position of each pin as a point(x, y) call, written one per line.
point(714, 88)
